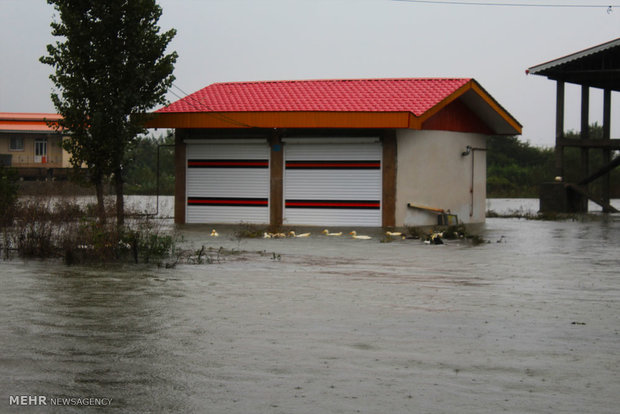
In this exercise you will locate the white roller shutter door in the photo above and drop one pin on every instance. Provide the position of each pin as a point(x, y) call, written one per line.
point(333, 184)
point(228, 183)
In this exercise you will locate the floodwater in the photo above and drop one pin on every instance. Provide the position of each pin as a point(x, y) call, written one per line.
point(528, 322)
point(529, 206)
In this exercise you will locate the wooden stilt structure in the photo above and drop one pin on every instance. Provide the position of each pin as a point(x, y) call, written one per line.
point(596, 67)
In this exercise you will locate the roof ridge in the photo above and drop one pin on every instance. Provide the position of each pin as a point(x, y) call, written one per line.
point(423, 78)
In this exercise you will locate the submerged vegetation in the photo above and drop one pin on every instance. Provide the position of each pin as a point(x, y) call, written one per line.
point(41, 228)
point(47, 227)
point(437, 234)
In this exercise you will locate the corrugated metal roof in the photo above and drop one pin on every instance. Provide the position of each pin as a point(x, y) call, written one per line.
point(415, 95)
point(538, 69)
point(27, 122)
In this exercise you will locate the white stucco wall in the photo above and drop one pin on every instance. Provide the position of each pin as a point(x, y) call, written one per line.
point(432, 172)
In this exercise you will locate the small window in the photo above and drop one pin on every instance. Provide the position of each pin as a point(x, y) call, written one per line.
point(16, 144)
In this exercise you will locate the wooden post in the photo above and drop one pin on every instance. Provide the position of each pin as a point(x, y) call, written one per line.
point(606, 182)
point(585, 134)
point(389, 179)
point(276, 170)
point(180, 169)
point(559, 130)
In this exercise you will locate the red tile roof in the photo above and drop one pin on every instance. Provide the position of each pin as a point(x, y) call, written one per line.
point(415, 95)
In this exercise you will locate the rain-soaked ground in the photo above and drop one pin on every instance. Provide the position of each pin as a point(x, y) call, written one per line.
point(528, 322)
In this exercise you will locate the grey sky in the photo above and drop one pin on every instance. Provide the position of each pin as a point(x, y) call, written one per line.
point(243, 40)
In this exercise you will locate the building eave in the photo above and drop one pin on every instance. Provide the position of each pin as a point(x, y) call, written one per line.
point(278, 119)
point(543, 67)
point(14, 122)
point(598, 67)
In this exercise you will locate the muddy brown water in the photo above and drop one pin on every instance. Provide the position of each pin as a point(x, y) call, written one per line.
point(526, 323)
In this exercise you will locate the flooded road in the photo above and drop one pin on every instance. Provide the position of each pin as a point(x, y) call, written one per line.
point(526, 323)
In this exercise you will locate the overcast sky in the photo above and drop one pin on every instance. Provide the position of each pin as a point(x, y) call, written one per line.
point(246, 40)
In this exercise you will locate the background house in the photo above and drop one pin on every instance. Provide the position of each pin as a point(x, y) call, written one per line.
point(362, 152)
point(29, 143)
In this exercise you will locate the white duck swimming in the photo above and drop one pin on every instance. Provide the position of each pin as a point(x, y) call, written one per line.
point(274, 235)
point(327, 233)
point(393, 233)
point(292, 234)
point(214, 233)
point(355, 236)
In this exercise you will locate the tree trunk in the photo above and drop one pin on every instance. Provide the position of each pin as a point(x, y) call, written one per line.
point(120, 205)
point(100, 201)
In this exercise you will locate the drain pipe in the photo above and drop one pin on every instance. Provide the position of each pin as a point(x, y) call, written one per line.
point(471, 150)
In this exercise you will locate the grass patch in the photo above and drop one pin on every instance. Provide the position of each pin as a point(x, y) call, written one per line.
point(249, 231)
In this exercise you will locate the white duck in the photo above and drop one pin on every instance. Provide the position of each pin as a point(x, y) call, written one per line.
point(214, 233)
point(393, 233)
point(327, 233)
point(355, 236)
point(292, 234)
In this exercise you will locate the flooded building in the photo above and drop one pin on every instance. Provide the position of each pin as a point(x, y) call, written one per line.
point(30, 144)
point(344, 152)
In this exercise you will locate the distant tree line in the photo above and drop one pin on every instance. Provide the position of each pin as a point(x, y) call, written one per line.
point(516, 169)
point(141, 175)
